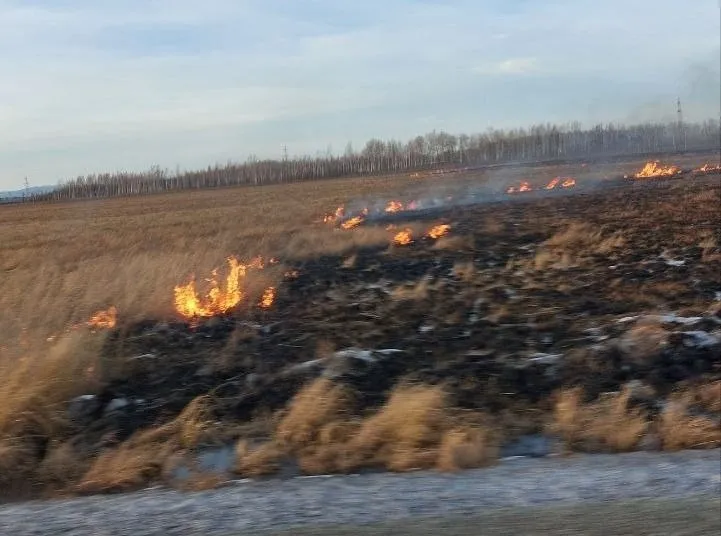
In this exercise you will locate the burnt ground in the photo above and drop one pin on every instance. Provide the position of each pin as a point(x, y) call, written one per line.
point(480, 312)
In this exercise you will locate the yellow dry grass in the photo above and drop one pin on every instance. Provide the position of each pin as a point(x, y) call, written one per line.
point(419, 290)
point(17, 462)
point(405, 433)
point(258, 461)
point(60, 263)
point(61, 465)
point(35, 388)
point(142, 458)
point(605, 425)
point(414, 429)
point(682, 426)
point(466, 449)
point(643, 342)
point(570, 246)
point(319, 403)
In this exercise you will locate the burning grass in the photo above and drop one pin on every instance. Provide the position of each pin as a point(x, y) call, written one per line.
point(481, 300)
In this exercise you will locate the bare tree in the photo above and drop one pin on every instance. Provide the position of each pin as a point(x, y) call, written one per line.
point(537, 143)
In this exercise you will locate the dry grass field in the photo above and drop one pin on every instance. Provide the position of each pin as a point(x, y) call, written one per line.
point(589, 314)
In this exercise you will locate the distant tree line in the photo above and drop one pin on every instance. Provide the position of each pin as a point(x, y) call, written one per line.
point(432, 151)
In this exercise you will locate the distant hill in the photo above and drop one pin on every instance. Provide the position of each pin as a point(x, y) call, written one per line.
point(11, 195)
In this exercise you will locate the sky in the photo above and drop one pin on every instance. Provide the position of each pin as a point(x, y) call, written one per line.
point(106, 85)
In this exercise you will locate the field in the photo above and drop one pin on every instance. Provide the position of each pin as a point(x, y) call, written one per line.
point(589, 313)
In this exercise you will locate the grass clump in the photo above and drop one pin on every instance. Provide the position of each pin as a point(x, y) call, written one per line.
point(414, 429)
point(142, 458)
point(605, 425)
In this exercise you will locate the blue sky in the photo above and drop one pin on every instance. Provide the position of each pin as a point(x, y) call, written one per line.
point(101, 85)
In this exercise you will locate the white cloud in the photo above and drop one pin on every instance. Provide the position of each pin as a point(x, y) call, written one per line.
point(510, 66)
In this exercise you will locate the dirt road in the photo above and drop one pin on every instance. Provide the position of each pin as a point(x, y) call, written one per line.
point(679, 492)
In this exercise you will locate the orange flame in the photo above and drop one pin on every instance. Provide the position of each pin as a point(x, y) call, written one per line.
point(655, 169)
point(268, 298)
point(394, 206)
point(438, 231)
point(352, 223)
point(104, 319)
point(551, 185)
point(217, 301)
point(524, 186)
point(403, 238)
point(707, 168)
point(568, 183)
point(337, 215)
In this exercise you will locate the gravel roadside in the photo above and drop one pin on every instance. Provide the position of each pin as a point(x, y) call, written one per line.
point(247, 507)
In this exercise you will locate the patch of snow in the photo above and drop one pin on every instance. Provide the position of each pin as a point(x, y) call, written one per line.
point(306, 365)
point(389, 351)
point(675, 319)
point(626, 319)
point(717, 295)
point(116, 404)
point(700, 339)
point(425, 328)
point(545, 359)
point(143, 356)
point(674, 262)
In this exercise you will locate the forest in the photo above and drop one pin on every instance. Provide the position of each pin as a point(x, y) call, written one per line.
point(435, 150)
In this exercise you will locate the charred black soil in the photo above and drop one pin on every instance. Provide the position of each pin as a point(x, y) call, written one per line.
point(611, 286)
point(488, 316)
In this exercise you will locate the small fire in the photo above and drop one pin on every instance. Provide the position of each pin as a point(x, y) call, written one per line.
point(707, 168)
point(438, 231)
point(655, 169)
point(524, 186)
point(394, 206)
point(403, 238)
point(268, 298)
point(337, 215)
point(217, 301)
point(352, 223)
point(551, 185)
point(568, 183)
point(104, 319)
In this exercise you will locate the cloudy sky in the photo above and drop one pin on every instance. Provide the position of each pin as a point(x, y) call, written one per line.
point(96, 85)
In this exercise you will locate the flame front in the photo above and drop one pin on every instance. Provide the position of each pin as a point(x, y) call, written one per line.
point(268, 298)
point(707, 168)
point(403, 238)
point(352, 223)
point(551, 185)
point(655, 169)
point(394, 206)
point(104, 319)
point(217, 301)
point(438, 231)
point(568, 183)
point(524, 186)
point(336, 216)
